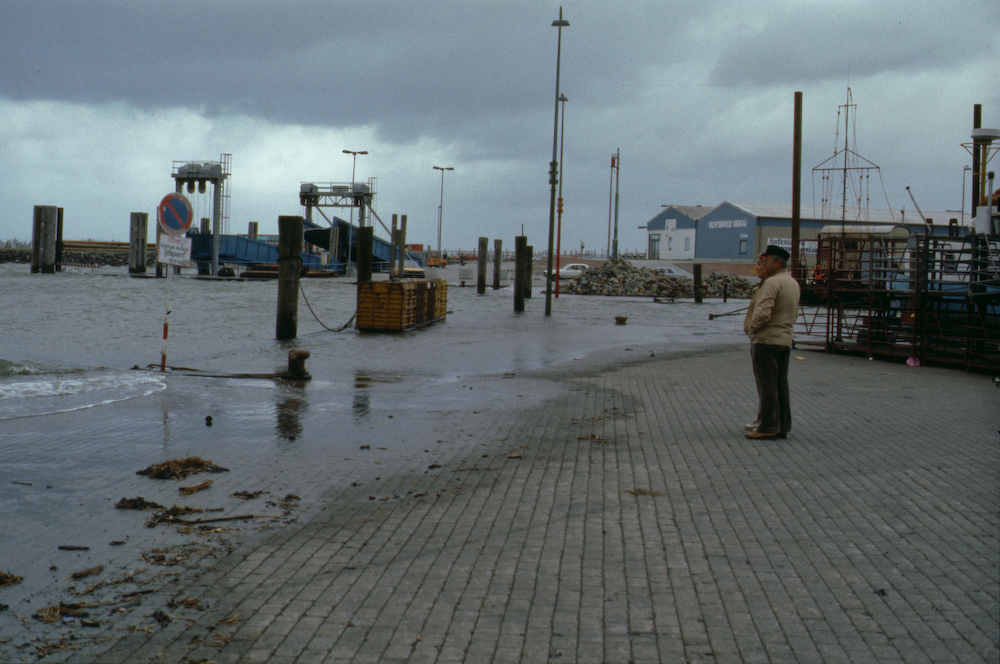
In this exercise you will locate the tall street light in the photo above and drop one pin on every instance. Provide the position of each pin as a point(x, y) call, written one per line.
point(554, 168)
point(441, 210)
point(562, 143)
point(353, 170)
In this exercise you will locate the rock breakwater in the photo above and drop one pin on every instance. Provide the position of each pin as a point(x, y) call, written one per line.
point(619, 277)
point(104, 259)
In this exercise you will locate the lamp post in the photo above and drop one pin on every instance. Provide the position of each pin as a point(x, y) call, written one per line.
point(441, 210)
point(554, 168)
point(562, 143)
point(353, 170)
point(964, 170)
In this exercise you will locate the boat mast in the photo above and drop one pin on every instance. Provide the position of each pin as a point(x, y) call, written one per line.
point(843, 200)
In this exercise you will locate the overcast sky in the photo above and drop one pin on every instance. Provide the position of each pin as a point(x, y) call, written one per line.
point(98, 99)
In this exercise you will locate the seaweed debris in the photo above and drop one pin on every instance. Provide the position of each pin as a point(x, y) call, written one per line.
point(50, 614)
point(8, 579)
point(177, 469)
point(138, 503)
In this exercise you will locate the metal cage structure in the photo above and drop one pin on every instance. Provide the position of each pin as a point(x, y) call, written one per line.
point(924, 298)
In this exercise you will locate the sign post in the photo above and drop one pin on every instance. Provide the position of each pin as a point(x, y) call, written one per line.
point(172, 248)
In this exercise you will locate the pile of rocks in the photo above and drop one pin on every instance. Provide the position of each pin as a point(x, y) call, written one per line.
point(620, 277)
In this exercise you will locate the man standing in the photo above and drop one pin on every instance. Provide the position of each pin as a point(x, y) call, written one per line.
point(768, 323)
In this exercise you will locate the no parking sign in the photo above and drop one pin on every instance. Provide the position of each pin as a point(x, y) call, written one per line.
point(175, 214)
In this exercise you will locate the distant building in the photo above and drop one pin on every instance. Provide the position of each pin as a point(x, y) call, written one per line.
point(671, 234)
point(739, 232)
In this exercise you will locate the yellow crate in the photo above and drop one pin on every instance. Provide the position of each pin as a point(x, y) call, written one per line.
point(395, 306)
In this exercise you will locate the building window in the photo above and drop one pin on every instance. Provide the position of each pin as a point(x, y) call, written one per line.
point(687, 244)
point(670, 243)
point(743, 246)
point(653, 250)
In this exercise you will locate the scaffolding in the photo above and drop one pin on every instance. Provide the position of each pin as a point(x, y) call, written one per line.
point(927, 299)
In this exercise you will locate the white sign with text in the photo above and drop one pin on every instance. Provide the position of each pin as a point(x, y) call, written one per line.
point(174, 250)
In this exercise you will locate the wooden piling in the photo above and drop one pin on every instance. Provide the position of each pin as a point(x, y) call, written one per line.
point(529, 268)
point(497, 244)
point(36, 240)
point(366, 237)
point(484, 249)
point(290, 232)
point(252, 230)
point(697, 283)
point(138, 232)
point(47, 224)
point(393, 244)
point(59, 239)
point(520, 250)
point(402, 243)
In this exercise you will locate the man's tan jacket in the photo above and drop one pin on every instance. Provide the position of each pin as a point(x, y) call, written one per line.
point(772, 310)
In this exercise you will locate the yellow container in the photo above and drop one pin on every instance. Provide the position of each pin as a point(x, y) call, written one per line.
point(395, 306)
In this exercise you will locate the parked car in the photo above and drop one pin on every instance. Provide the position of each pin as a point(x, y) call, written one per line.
point(672, 272)
point(573, 270)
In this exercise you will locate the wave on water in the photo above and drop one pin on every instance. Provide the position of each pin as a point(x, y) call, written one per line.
point(30, 390)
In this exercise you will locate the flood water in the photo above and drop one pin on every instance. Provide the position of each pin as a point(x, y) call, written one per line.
point(71, 340)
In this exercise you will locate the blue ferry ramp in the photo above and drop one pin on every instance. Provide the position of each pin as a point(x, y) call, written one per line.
point(241, 250)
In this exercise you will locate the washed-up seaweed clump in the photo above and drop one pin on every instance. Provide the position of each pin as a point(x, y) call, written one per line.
point(139, 503)
point(50, 614)
point(8, 579)
point(178, 469)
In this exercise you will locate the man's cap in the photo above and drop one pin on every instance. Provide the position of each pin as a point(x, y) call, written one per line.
point(775, 250)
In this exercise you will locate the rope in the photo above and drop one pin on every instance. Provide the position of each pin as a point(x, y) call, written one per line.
point(322, 324)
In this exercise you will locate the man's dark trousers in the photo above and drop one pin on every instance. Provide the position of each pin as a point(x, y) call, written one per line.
point(770, 368)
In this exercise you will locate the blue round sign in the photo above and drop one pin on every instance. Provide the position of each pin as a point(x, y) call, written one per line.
point(175, 214)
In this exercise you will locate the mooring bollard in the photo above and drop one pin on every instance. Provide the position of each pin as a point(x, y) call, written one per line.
point(297, 361)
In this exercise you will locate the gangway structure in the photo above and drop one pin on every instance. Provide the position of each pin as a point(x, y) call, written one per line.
point(341, 238)
point(198, 175)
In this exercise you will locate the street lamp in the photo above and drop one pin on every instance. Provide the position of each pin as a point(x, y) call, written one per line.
point(353, 170)
point(562, 142)
point(554, 168)
point(964, 170)
point(441, 210)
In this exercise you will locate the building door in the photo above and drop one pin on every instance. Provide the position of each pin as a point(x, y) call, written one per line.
point(654, 246)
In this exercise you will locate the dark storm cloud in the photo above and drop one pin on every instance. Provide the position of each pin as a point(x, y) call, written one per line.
point(801, 43)
point(410, 68)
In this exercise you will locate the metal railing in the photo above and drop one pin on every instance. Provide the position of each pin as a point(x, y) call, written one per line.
point(924, 298)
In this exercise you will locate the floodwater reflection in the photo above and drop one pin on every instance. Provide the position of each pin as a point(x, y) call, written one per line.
point(290, 405)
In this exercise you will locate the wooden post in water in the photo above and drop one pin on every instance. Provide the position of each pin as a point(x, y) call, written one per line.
point(402, 243)
point(520, 250)
point(252, 230)
point(393, 243)
point(206, 226)
point(697, 283)
point(47, 218)
point(529, 268)
point(484, 249)
point(366, 237)
point(36, 240)
point(59, 239)
point(497, 244)
point(289, 268)
point(138, 232)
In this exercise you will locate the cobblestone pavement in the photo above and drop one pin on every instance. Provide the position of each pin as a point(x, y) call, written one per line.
point(625, 518)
